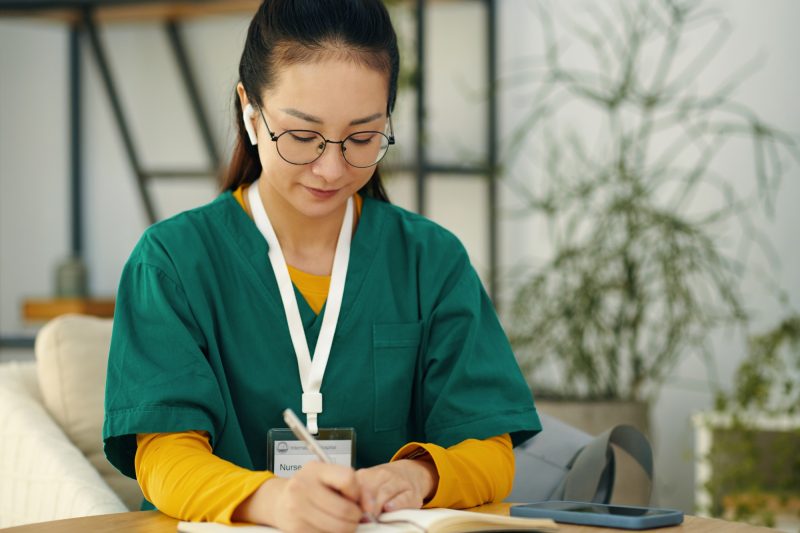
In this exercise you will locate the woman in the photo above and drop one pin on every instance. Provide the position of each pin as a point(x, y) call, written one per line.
point(220, 308)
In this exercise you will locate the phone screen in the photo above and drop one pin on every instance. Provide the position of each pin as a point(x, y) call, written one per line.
point(600, 509)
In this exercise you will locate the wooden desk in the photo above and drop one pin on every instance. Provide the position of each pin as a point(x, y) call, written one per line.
point(155, 522)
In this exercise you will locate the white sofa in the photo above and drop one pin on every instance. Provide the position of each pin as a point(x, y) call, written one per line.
point(52, 464)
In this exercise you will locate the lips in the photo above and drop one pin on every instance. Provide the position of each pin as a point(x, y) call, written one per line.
point(322, 193)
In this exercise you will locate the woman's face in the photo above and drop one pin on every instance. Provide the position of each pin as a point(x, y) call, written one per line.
point(335, 98)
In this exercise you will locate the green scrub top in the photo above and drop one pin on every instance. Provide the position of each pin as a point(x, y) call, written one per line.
point(200, 341)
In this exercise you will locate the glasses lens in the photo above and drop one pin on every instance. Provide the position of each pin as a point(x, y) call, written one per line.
point(300, 146)
point(365, 148)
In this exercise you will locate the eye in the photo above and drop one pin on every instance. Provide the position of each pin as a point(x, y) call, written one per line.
point(303, 136)
point(362, 138)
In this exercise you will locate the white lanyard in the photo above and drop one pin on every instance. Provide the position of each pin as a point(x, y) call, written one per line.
point(311, 372)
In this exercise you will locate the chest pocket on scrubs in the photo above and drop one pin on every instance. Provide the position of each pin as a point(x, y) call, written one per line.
point(395, 348)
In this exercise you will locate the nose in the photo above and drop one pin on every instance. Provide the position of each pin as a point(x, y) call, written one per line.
point(331, 164)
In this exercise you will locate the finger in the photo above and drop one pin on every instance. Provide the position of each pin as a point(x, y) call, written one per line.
point(335, 505)
point(404, 500)
point(341, 478)
point(295, 513)
point(317, 507)
point(370, 480)
point(394, 496)
point(317, 520)
point(369, 505)
point(390, 487)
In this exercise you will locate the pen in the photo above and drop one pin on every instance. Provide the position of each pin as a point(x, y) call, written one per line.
point(300, 431)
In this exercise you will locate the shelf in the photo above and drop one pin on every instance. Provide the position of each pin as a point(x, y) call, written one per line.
point(141, 11)
point(38, 310)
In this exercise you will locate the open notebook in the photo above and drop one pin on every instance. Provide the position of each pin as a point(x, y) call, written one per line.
point(411, 521)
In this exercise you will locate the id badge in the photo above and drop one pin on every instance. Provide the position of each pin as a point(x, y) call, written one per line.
point(286, 454)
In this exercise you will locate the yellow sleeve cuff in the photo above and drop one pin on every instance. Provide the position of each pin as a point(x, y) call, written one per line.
point(180, 475)
point(471, 473)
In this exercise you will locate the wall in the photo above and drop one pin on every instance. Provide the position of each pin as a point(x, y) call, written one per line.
point(34, 161)
point(766, 28)
point(763, 30)
point(33, 164)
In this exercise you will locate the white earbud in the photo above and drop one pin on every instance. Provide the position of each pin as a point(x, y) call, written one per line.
point(247, 117)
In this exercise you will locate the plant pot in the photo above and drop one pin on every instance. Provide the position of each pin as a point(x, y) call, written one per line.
point(594, 417)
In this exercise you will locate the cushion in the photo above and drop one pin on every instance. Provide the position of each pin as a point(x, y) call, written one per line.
point(71, 356)
point(43, 476)
point(543, 461)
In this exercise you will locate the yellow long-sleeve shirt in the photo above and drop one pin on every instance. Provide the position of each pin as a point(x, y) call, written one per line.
point(181, 476)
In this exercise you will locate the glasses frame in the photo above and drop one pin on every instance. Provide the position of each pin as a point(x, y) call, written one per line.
point(274, 138)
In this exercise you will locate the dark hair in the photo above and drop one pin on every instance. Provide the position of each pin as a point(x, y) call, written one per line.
point(286, 32)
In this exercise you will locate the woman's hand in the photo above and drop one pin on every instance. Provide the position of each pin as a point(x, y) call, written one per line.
point(319, 497)
point(403, 484)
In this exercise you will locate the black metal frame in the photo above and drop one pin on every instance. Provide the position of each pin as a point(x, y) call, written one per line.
point(107, 79)
point(492, 155)
point(423, 167)
point(76, 159)
point(190, 84)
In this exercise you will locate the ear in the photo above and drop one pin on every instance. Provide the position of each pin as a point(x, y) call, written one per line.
point(248, 113)
point(247, 116)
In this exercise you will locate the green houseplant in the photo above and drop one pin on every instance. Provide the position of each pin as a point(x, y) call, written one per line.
point(637, 277)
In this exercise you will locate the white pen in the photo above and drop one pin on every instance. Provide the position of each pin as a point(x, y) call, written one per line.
point(300, 431)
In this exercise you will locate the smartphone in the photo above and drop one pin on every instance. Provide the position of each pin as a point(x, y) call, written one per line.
point(597, 514)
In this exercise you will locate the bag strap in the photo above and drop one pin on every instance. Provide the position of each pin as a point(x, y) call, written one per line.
point(583, 480)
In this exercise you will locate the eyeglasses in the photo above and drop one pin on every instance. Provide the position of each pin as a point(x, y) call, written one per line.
point(361, 149)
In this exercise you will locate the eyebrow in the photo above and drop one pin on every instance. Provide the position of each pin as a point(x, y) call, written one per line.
point(317, 120)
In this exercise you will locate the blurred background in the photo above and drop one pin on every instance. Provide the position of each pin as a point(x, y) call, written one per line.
point(624, 174)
